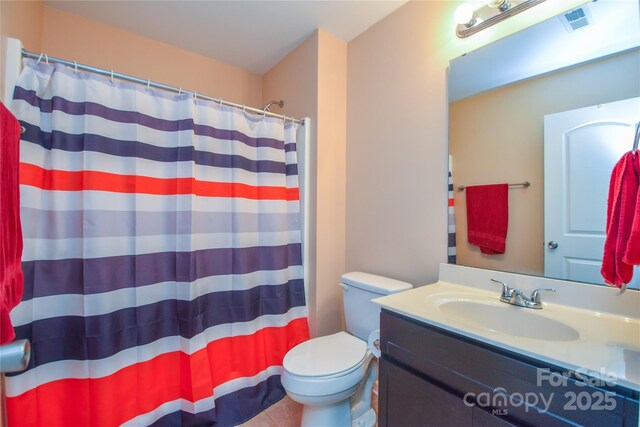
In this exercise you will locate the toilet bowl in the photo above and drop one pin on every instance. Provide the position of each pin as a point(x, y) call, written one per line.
point(326, 374)
point(323, 373)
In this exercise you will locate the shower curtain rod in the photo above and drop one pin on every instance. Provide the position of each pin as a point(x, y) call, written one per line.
point(148, 83)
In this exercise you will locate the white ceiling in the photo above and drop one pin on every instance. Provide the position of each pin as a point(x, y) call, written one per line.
point(253, 35)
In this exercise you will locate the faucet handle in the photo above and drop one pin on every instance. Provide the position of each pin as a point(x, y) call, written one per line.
point(507, 292)
point(535, 295)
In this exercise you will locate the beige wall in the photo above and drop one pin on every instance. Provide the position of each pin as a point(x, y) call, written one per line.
point(331, 158)
point(397, 145)
point(75, 38)
point(498, 136)
point(21, 20)
point(312, 81)
point(65, 35)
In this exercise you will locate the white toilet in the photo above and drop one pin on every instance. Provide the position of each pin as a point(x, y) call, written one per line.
point(325, 373)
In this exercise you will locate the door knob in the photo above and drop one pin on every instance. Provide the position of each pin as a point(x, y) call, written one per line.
point(552, 244)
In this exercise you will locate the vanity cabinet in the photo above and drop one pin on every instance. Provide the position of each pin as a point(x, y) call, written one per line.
point(433, 377)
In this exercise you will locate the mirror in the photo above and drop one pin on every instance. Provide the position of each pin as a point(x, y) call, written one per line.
point(499, 96)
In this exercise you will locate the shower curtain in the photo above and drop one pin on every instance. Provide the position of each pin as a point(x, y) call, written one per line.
point(162, 255)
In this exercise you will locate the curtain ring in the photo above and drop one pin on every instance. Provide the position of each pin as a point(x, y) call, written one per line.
point(195, 95)
point(220, 102)
point(75, 65)
point(148, 83)
point(180, 92)
point(46, 57)
point(243, 108)
point(112, 77)
point(39, 58)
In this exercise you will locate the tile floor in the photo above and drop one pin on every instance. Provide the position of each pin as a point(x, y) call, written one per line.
point(287, 413)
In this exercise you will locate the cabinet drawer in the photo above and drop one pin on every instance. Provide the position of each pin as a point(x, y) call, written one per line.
point(465, 366)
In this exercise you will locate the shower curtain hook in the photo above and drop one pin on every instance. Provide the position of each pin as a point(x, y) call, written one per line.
point(39, 58)
point(148, 83)
point(46, 58)
point(220, 102)
point(180, 92)
point(112, 77)
point(195, 95)
point(75, 66)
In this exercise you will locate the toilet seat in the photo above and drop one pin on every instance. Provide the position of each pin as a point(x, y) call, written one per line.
point(325, 365)
point(328, 356)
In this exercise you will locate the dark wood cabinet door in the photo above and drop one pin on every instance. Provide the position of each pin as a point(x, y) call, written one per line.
point(407, 400)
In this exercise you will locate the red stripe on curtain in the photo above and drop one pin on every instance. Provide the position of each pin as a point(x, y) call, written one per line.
point(103, 181)
point(117, 398)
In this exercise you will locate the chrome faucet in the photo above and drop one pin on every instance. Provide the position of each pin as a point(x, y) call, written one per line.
point(515, 297)
point(507, 292)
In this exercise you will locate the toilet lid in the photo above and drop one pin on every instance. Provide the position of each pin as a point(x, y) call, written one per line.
point(326, 356)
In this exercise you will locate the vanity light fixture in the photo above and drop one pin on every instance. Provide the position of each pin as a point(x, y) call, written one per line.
point(470, 19)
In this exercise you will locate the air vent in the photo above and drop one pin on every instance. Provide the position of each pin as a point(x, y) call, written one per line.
point(576, 18)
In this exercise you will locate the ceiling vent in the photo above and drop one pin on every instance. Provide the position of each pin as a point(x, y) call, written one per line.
point(576, 18)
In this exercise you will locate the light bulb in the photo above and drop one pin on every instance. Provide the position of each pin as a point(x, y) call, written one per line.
point(464, 15)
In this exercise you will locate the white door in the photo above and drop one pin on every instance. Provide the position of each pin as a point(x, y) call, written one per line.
point(581, 147)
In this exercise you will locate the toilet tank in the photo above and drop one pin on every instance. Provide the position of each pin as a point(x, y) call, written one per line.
point(362, 316)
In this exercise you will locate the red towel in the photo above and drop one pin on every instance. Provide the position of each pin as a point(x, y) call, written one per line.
point(488, 217)
point(11, 279)
point(621, 210)
point(632, 252)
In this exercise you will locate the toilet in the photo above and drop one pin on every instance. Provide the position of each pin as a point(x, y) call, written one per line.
point(332, 376)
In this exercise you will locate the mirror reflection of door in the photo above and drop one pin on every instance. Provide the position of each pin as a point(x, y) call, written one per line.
point(581, 147)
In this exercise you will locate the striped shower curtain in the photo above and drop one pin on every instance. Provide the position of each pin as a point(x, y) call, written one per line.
point(162, 256)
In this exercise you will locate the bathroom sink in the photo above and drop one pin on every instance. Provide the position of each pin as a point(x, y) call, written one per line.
point(507, 319)
point(572, 337)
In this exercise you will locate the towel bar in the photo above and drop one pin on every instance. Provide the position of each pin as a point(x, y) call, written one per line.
point(524, 184)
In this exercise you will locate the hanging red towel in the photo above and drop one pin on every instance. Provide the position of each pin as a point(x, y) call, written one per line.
point(632, 252)
point(488, 217)
point(11, 279)
point(621, 210)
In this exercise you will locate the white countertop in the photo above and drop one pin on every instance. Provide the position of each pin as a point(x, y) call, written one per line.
point(608, 345)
